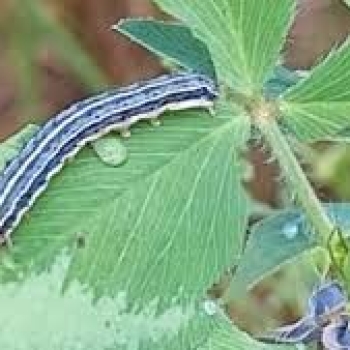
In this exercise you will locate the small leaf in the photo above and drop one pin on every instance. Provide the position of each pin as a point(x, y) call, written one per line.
point(110, 150)
point(171, 41)
point(319, 106)
point(244, 39)
point(272, 242)
point(282, 78)
point(279, 239)
point(12, 146)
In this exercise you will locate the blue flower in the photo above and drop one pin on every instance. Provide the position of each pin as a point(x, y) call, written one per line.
point(327, 301)
point(325, 321)
point(336, 335)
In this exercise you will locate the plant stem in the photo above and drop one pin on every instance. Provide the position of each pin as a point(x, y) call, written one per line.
point(296, 177)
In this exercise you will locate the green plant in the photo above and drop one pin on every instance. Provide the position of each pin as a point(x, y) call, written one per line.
point(166, 224)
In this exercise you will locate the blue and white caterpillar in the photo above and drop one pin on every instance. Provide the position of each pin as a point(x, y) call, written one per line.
point(29, 173)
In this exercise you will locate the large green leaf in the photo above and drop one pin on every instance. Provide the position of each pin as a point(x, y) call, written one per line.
point(279, 239)
point(156, 231)
point(319, 106)
point(244, 37)
point(171, 41)
point(173, 232)
point(72, 197)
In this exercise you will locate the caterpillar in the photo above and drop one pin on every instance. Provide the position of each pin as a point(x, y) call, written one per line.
point(59, 139)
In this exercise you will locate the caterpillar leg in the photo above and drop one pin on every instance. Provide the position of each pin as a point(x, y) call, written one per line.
point(155, 121)
point(125, 133)
point(211, 111)
point(5, 241)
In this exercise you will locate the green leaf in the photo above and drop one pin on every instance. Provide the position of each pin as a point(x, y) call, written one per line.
point(12, 146)
point(319, 106)
point(171, 234)
point(71, 197)
point(111, 150)
point(244, 39)
point(272, 242)
point(75, 320)
point(228, 337)
point(279, 239)
point(152, 235)
point(158, 230)
point(171, 41)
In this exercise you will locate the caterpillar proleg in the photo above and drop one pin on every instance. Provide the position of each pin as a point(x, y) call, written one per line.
point(59, 139)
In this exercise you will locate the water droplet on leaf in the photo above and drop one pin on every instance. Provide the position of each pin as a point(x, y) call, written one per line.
point(210, 307)
point(110, 150)
point(291, 230)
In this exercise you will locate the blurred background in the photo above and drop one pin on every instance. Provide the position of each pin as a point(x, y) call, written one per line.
point(53, 52)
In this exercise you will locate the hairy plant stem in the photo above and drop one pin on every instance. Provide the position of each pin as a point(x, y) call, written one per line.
point(296, 177)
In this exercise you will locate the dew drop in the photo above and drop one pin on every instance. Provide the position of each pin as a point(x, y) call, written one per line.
point(111, 150)
point(291, 230)
point(210, 307)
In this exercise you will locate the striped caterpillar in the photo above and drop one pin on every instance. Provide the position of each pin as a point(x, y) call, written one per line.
point(59, 139)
